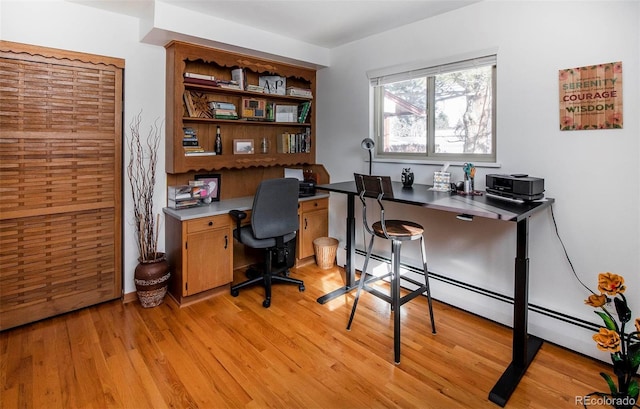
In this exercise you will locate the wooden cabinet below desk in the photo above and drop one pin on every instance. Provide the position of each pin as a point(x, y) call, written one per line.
point(314, 223)
point(200, 252)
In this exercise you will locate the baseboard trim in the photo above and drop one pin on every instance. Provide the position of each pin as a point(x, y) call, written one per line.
point(491, 294)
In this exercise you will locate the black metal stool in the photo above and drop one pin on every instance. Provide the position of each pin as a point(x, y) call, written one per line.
point(397, 231)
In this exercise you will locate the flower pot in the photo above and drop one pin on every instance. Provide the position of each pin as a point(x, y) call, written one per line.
point(152, 280)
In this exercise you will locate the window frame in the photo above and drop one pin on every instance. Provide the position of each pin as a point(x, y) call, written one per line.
point(385, 76)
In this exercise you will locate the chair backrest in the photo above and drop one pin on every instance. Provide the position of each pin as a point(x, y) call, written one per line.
point(373, 186)
point(275, 208)
point(378, 187)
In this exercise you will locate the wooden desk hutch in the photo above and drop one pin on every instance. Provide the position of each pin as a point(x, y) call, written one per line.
point(207, 241)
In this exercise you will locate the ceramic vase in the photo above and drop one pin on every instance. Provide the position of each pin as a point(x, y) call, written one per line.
point(152, 280)
point(407, 177)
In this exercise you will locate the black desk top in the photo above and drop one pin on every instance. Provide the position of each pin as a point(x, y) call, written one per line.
point(481, 206)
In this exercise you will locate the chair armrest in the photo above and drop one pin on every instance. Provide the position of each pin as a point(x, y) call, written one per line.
point(238, 216)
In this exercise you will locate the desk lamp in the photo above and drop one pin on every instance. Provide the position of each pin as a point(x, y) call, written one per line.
point(368, 144)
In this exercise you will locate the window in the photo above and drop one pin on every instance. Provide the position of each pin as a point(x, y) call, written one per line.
point(444, 112)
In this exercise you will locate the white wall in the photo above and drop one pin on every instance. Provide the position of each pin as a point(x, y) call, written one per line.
point(593, 175)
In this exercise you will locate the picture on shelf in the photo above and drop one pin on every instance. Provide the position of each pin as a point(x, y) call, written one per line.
point(273, 84)
point(243, 146)
point(212, 184)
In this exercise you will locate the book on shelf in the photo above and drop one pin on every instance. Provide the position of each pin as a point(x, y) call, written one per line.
point(200, 81)
point(189, 131)
point(193, 75)
point(299, 92)
point(304, 109)
point(223, 112)
point(239, 76)
point(222, 105)
point(196, 183)
point(255, 88)
point(225, 116)
point(293, 142)
point(270, 111)
point(200, 153)
point(231, 84)
point(190, 142)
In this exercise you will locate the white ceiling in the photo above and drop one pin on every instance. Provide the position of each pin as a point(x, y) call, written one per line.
point(324, 23)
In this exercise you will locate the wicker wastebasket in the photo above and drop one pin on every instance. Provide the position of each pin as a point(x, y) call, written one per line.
point(325, 249)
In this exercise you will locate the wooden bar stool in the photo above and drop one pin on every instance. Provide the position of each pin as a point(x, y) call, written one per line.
point(397, 231)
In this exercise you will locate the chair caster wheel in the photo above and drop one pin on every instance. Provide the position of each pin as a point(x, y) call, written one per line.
point(301, 288)
point(266, 303)
point(234, 293)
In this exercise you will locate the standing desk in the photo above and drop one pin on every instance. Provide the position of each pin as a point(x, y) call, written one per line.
point(524, 346)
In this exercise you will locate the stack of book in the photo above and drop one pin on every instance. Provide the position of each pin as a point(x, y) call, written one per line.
point(299, 92)
point(191, 144)
point(223, 110)
point(200, 79)
point(184, 196)
point(294, 142)
point(255, 88)
point(190, 137)
point(230, 84)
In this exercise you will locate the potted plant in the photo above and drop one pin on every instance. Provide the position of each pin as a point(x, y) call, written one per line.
point(624, 347)
point(152, 273)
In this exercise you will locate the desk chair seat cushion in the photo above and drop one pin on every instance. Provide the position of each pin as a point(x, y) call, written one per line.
point(246, 236)
point(399, 229)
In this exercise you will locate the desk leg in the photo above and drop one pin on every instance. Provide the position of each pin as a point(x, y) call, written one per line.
point(350, 257)
point(524, 346)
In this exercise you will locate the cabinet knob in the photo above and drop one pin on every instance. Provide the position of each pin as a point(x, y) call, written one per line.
point(210, 223)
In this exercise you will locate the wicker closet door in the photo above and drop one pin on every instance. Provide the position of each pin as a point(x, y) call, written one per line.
point(60, 181)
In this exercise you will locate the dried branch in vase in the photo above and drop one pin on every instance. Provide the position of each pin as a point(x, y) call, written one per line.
point(141, 172)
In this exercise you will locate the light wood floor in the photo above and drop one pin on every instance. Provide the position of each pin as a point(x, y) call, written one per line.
point(232, 352)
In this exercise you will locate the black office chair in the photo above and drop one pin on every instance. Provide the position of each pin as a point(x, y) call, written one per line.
point(397, 231)
point(274, 222)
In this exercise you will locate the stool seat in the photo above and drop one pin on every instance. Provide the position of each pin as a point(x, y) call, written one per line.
point(399, 230)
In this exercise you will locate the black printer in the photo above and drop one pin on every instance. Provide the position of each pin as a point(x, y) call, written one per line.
point(307, 188)
point(515, 186)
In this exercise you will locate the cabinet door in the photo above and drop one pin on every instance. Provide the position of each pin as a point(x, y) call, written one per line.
point(60, 183)
point(313, 224)
point(209, 260)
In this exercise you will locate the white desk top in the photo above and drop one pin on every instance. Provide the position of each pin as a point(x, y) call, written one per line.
point(222, 207)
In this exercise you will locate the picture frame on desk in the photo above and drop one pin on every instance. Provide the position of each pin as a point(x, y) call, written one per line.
point(243, 147)
point(212, 183)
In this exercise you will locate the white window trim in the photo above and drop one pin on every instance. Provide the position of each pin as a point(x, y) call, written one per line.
point(410, 70)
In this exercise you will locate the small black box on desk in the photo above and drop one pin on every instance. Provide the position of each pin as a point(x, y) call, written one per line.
point(516, 186)
point(307, 188)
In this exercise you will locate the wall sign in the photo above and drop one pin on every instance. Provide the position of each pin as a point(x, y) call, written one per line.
point(591, 97)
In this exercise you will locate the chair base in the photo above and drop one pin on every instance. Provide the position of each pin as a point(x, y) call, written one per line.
point(260, 274)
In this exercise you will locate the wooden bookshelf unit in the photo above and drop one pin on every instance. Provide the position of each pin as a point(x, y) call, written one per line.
point(195, 59)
